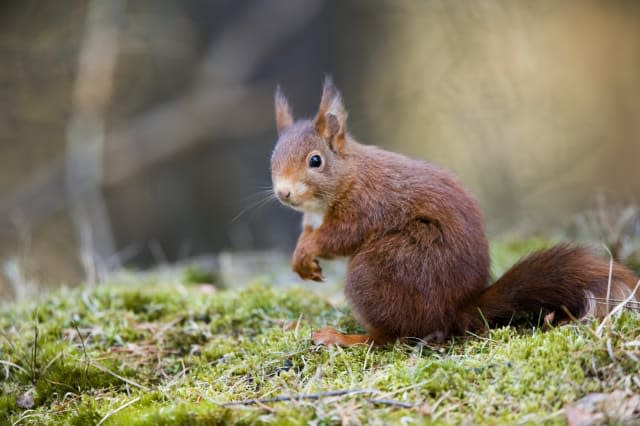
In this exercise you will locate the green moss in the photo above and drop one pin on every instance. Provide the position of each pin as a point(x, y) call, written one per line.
point(72, 375)
point(633, 264)
point(163, 354)
point(7, 407)
point(179, 414)
point(146, 304)
point(195, 275)
point(86, 412)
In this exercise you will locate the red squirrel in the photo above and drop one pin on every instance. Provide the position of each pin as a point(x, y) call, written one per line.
point(418, 254)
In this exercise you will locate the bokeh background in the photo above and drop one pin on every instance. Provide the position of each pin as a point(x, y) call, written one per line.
point(139, 132)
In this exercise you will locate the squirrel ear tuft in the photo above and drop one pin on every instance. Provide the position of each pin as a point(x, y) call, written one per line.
point(331, 120)
point(284, 117)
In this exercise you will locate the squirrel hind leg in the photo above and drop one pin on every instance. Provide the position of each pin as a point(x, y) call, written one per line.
point(331, 336)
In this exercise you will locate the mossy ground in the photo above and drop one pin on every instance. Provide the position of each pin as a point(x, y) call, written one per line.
point(157, 353)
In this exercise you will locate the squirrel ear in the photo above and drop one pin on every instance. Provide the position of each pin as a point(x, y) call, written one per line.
point(284, 118)
point(330, 122)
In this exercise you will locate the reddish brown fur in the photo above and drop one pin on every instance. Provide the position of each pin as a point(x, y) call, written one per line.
point(419, 262)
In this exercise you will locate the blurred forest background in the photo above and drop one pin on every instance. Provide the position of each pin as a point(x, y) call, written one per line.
point(135, 132)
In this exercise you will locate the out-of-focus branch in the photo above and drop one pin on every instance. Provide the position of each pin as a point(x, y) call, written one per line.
point(219, 103)
point(220, 98)
point(85, 135)
point(182, 124)
point(238, 52)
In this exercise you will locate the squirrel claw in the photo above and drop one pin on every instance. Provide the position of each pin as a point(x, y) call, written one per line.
point(310, 272)
point(315, 272)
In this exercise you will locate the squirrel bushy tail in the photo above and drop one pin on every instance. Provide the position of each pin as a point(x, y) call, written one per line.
point(569, 281)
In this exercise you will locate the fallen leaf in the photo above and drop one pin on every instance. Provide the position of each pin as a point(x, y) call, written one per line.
point(25, 401)
point(604, 408)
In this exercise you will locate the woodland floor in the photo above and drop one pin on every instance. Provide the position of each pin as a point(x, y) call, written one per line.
point(142, 351)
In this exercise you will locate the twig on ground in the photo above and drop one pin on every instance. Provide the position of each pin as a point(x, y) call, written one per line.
point(320, 395)
point(392, 403)
point(311, 396)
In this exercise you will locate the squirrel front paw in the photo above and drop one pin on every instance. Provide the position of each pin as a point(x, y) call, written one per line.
point(307, 267)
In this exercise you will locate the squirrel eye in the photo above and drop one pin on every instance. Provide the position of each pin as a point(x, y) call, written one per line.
point(315, 161)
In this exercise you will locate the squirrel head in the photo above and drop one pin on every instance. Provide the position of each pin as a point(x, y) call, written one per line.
point(309, 159)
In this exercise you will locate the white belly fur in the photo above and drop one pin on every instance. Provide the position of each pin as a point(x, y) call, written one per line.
point(312, 219)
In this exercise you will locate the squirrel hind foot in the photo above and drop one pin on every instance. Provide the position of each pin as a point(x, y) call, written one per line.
point(331, 336)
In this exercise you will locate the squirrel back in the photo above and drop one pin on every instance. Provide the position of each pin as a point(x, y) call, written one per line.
point(419, 258)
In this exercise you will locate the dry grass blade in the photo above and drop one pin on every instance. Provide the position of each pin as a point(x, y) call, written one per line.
point(27, 414)
point(610, 276)
point(617, 309)
point(117, 376)
point(11, 364)
point(122, 407)
point(629, 305)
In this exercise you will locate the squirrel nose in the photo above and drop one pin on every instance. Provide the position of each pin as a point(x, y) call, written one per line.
point(284, 194)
